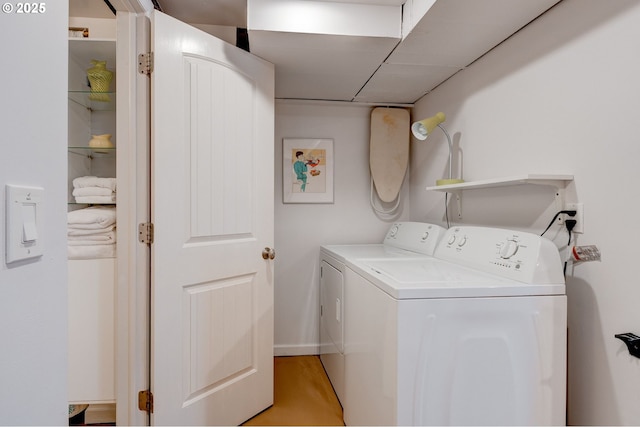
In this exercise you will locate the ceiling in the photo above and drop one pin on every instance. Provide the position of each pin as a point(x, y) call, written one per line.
point(368, 68)
point(230, 12)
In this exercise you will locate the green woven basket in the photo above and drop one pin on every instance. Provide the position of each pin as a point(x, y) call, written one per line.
point(99, 80)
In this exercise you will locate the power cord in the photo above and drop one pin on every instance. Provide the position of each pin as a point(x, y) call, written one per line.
point(446, 208)
point(570, 213)
point(569, 224)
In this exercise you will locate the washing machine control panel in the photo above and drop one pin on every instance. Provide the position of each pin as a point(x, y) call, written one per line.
point(417, 237)
point(509, 248)
point(514, 254)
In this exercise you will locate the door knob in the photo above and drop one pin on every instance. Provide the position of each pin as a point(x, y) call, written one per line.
point(268, 253)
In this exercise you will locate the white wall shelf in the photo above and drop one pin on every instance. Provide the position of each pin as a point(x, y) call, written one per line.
point(560, 182)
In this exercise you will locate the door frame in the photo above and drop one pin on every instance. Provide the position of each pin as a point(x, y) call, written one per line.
point(133, 282)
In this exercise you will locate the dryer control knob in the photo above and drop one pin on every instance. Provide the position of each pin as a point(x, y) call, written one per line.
point(509, 249)
point(393, 231)
point(452, 239)
point(425, 236)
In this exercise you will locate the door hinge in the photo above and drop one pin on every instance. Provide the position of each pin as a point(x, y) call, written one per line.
point(145, 232)
point(145, 401)
point(145, 63)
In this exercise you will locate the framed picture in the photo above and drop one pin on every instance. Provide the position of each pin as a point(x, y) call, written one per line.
point(307, 170)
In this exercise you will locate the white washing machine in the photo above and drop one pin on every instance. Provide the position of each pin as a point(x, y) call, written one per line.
point(474, 336)
point(404, 240)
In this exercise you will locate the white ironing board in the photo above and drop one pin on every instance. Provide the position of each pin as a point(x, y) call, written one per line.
point(389, 150)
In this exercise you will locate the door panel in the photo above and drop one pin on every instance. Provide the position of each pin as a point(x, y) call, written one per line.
point(219, 332)
point(212, 208)
point(221, 181)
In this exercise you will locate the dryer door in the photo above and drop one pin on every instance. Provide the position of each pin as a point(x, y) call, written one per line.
point(331, 306)
point(332, 326)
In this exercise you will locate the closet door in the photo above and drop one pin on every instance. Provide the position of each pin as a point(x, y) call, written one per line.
point(212, 208)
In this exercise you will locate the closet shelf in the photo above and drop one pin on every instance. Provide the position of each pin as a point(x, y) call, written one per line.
point(94, 101)
point(90, 204)
point(92, 151)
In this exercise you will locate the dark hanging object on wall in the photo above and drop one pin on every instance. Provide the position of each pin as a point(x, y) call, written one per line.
point(110, 6)
point(156, 5)
point(242, 39)
point(632, 341)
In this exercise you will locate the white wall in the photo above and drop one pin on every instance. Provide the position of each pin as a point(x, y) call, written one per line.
point(561, 96)
point(33, 295)
point(300, 229)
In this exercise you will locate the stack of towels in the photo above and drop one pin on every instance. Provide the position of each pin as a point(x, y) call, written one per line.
point(94, 190)
point(91, 233)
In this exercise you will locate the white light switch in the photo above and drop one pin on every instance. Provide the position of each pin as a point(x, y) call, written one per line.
point(29, 229)
point(24, 222)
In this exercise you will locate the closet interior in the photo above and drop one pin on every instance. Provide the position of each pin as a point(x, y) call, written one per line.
point(92, 228)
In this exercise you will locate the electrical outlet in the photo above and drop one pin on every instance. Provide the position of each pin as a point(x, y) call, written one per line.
point(579, 208)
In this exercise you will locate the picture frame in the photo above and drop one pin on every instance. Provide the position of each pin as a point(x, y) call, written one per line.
point(78, 32)
point(307, 170)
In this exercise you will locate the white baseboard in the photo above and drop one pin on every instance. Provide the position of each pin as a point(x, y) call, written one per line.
point(296, 350)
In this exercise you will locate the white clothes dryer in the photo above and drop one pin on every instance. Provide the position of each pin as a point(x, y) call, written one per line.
point(474, 336)
point(404, 240)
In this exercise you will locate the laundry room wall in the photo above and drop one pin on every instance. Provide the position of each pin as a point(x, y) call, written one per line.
point(300, 229)
point(561, 96)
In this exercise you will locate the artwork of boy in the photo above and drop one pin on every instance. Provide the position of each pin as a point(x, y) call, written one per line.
point(300, 168)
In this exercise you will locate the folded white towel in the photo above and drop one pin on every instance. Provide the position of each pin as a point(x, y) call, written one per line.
point(81, 232)
point(89, 252)
point(92, 191)
point(95, 217)
point(94, 181)
point(95, 239)
point(96, 199)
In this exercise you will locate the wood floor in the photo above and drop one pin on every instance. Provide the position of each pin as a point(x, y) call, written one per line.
point(303, 395)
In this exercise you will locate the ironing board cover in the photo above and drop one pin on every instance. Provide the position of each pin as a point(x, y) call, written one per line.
point(389, 150)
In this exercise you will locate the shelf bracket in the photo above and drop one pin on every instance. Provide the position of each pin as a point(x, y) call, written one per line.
point(458, 203)
point(559, 197)
point(457, 195)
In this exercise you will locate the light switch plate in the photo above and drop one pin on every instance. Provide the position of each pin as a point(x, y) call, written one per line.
point(24, 218)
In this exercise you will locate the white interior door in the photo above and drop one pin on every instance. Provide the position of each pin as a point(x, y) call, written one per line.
point(212, 208)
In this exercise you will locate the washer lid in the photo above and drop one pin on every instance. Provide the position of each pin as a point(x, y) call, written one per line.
point(434, 278)
point(415, 239)
point(371, 251)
